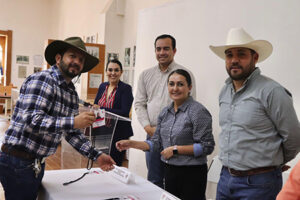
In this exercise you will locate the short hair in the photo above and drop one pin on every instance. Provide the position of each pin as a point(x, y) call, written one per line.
point(116, 61)
point(253, 52)
point(62, 51)
point(166, 36)
point(184, 73)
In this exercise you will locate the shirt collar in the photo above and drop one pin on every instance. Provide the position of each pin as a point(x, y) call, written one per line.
point(252, 76)
point(170, 67)
point(183, 107)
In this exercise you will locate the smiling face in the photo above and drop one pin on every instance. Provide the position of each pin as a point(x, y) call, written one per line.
point(240, 63)
point(71, 63)
point(178, 88)
point(113, 72)
point(164, 52)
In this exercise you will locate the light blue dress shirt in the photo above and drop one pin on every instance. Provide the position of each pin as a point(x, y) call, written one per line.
point(259, 125)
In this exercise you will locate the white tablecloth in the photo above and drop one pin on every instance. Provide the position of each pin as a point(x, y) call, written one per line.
point(97, 185)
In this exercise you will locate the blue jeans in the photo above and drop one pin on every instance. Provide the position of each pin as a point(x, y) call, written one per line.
point(155, 168)
point(264, 186)
point(18, 178)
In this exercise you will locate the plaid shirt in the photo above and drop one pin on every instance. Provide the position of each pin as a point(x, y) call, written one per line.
point(44, 112)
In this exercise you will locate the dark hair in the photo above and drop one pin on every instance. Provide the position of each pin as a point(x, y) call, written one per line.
point(183, 73)
point(62, 51)
point(252, 51)
point(166, 36)
point(116, 61)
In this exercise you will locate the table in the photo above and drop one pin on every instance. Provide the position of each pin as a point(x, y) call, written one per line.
point(97, 185)
point(7, 102)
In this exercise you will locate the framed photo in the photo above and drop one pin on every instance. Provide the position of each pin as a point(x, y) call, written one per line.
point(37, 69)
point(133, 59)
point(22, 59)
point(112, 56)
point(22, 71)
point(93, 51)
point(88, 39)
point(92, 39)
point(127, 57)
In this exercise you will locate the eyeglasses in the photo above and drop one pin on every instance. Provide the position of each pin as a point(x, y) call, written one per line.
point(115, 70)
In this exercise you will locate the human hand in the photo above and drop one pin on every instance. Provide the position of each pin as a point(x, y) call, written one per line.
point(123, 145)
point(150, 130)
point(105, 162)
point(84, 120)
point(167, 153)
point(95, 106)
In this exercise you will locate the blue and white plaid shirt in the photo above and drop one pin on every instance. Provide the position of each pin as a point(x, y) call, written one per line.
point(44, 112)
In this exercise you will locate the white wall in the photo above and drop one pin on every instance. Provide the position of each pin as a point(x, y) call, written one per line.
point(79, 18)
point(196, 24)
point(31, 25)
point(35, 21)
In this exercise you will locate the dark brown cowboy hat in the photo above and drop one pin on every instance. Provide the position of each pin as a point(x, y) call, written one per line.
point(58, 46)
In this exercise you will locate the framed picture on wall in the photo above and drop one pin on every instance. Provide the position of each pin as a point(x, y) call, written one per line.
point(93, 50)
point(127, 57)
point(22, 71)
point(22, 59)
point(37, 69)
point(133, 59)
point(112, 56)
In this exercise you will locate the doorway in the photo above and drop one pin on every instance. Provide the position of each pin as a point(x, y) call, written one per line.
point(5, 57)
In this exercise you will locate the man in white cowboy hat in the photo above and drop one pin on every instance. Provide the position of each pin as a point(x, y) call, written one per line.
point(260, 129)
point(46, 110)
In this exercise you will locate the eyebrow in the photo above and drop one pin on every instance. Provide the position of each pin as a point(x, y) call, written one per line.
point(239, 50)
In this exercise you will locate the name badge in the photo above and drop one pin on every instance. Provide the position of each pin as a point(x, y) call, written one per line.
point(100, 118)
point(167, 196)
point(122, 174)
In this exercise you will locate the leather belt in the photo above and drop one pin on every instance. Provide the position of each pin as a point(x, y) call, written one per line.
point(17, 152)
point(250, 172)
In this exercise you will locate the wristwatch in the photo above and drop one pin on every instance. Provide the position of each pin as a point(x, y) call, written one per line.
point(175, 150)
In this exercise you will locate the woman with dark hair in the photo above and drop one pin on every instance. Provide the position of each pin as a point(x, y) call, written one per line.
point(116, 96)
point(184, 138)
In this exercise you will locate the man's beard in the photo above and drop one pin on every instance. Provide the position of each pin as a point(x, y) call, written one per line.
point(246, 72)
point(65, 69)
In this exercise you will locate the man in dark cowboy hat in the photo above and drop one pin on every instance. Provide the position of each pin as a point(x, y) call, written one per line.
point(46, 110)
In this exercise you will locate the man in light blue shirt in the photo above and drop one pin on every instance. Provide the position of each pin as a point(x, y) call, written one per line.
point(260, 128)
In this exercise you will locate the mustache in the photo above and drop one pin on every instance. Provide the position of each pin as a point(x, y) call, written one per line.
point(235, 66)
point(75, 66)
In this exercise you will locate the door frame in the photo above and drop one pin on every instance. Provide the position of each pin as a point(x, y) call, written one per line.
point(8, 35)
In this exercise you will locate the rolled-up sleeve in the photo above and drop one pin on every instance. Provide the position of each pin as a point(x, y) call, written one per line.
point(202, 128)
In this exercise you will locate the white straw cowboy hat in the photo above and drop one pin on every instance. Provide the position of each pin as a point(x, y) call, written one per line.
point(58, 46)
point(238, 37)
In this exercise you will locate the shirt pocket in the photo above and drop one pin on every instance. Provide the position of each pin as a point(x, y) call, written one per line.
point(250, 113)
